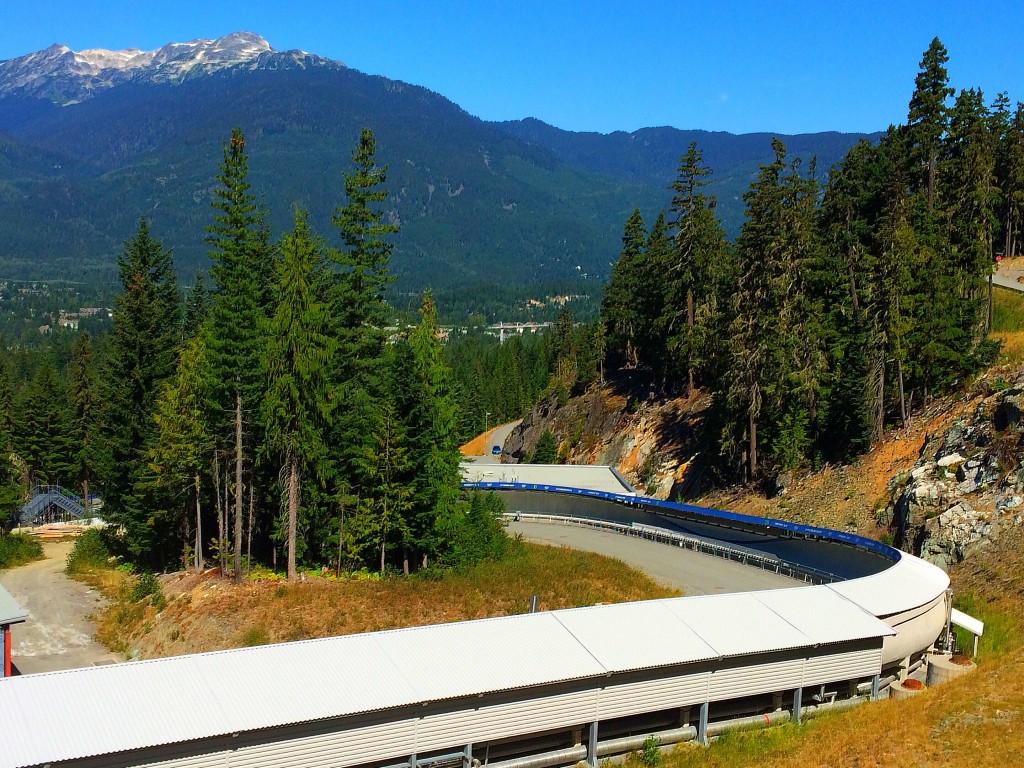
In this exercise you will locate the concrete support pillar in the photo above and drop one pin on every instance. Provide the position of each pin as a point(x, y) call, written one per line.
point(592, 746)
point(702, 725)
point(875, 683)
point(684, 716)
point(5, 639)
point(798, 700)
point(777, 700)
point(467, 756)
point(576, 736)
point(412, 760)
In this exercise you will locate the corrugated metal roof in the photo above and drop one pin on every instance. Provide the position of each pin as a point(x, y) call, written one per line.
point(822, 615)
point(908, 584)
point(182, 698)
point(738, 624)
point(588, 477)
point(445, 661)
point(612, 634)
point(10, 611)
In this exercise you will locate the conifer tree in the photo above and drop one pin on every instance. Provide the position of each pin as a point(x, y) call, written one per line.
point(197, 305)
point(621, 306)
point(969, 200)
point(694, 279)
point(297, 404)
point(179, 455)
point(386, 498)
point(141, 356)
point(11, 490)
point(240, 255)
point(83, 410)
point(546, 451)
point(357, 304)
point(433, 436)
point(776, 358)
point(1012, 182)
point(927, 118)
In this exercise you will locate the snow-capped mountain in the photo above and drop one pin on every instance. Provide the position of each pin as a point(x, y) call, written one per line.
point(65, 76)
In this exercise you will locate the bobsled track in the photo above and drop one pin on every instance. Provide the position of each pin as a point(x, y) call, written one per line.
point(526, 691)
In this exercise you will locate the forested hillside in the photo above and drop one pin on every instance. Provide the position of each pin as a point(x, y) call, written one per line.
point(843, 306)
point(488, 217)
point(268, 415)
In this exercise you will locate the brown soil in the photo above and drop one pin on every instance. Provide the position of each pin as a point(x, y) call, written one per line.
point(849, 497)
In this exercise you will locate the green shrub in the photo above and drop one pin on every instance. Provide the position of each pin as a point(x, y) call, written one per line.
point(255, 636)
point(146, 586)
point(650, 754)
point(18, 548)
point(477, 532)
point(90, 553)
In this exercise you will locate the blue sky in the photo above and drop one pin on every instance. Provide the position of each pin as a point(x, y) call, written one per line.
point(787, 67)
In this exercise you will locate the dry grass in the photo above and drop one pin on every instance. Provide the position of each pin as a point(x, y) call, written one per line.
point(976, 720)
point(207, 613)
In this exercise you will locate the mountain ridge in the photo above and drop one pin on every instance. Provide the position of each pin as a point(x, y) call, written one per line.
point(486, 209)
point(64, 76)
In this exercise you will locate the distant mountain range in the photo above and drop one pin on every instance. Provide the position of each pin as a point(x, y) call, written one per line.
point(89, 141)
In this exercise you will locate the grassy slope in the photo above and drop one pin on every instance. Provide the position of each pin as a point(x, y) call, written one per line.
point(976, 720)
point(17, 549)
point(204, 613)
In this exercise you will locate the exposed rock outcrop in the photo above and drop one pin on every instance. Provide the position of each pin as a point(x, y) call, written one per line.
point(652, 442)
point(967, 486)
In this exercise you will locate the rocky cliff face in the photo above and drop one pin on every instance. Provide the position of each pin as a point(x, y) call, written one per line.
point(967, 486)
point(652, 443)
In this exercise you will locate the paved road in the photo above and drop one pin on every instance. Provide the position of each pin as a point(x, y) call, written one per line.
point(58, 633)
point(692, 572)
point(498, 437)
point(1008, 279)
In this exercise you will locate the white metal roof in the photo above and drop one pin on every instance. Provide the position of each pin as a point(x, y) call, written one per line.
point(65, 715)
point(613, 635)
point(739, 623)
point(822, 615)
point(908, 584)
point(589, 477)
point(10, 611)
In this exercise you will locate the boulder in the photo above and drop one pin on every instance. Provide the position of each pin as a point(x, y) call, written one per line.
point(1009, 411)
point(951, 459)
point(918, 472)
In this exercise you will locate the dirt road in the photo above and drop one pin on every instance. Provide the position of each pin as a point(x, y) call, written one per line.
point(58, 633)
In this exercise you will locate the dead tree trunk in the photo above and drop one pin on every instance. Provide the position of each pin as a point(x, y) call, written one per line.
point(293, 511)
point(689, 326)
point(238, 485)
point(199, 525)
point(220, 513)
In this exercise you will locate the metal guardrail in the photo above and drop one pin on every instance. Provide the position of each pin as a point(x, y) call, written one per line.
point(777, 565)
point(708, 515)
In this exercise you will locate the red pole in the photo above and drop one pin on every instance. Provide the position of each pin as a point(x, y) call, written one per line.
point(7, 649)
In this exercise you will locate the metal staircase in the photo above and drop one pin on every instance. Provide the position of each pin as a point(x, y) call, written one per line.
point(52, 504)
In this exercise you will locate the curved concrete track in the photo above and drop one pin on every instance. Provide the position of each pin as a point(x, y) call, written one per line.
point(692, 572)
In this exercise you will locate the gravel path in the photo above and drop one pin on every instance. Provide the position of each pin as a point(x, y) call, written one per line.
point(58, 633)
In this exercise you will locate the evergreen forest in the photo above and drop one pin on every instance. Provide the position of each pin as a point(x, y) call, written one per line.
point(843, 305)
point(270, 415)
point(276, 413)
